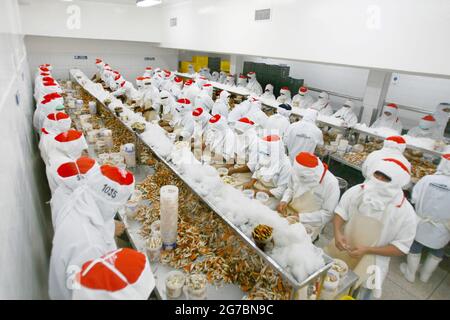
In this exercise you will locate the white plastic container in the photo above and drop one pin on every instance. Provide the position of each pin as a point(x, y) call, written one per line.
point(249, 193)
point(129, 153)
point(174, 284)
point(92, 137)
point(155, 227)
point(262, 197)
point(106, 134)
point(222, 171)
point(172, 136)
point(154, 245)
point(169, 216)
point(79, 104)
point(93, 107)
point(69, 85)
point(196, 287)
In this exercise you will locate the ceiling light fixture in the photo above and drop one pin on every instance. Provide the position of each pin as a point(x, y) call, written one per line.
point(147, 3)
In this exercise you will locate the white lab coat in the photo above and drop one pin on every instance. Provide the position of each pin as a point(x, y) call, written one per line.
point(303, 102)
point(441, 120)
point(278, 123)
point(246, 144)
point(347, 116)
point(190, 92)
point(431, 196)
point(221, 105)
point(254, 87)
point(323, 107)
point(204, 100)
point(302, 136)
point(280, 178)
point(391, 122)
point(239, 111)
point(327, 192)
point(81, 234)
point(399, 225)
point(418, 132)
point(376, 156)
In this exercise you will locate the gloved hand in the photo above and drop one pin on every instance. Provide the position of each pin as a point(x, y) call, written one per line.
point(120, 228)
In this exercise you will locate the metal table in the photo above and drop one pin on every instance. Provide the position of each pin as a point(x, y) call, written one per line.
point(296, 285)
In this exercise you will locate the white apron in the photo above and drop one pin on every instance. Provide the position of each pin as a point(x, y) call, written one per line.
point(307, 202)
point(267, 185)
point(361, 230)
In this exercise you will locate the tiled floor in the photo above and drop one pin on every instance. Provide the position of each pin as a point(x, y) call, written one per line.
point(396, 287)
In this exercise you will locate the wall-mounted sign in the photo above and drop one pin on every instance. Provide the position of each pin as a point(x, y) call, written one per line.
point(80, 57)
point(149, 58)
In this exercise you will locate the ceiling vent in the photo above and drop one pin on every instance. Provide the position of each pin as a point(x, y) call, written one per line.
point(173, 22)
point(263, 14)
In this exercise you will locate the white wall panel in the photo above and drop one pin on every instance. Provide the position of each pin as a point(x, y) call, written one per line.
point(125, 56)
point(97, 20)
point(403, 35)
point(25, 228)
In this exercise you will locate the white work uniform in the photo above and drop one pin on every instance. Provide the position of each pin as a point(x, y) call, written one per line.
point(347, 116)
point(81, 234)
point(326, 195)
point(390, 122)
point(278, 182)
point(190, 92)
point(221, 105)
point(246, 144)
point(302, 136)
point(254, 87)
point(302, 102)
point(398, 225)
point(376, 156)
point(277, 123)
point(204, 100)
point(323, 107)
point(431, 196)
point(418, 132)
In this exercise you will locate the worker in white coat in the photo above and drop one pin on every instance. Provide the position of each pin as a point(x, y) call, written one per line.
point(389, 119)
point(48, 85)
point(191, 69)
point(442, 114)
point(393, 147)
point(221, 105)
point(426, 128)
point(285, 96)
point(54, 124)
point(302, 99)
point(246, 140)
point(230, 81)
point(64, 176)
point(190, 90)
point(268, 93)
point(304, 135)
point(85, 227)
point(322, 105)
point(182, 119)
point(149, 72)
point(150, 97)
point(253, 85)
point(197, 130)
point(49, 103)
point(347, 114)
point(165, 108)
point(220, 140)
point(431, 196)
point(215, 76)
point(312, 193)
point(176, 87)
point(256, 114)
point(278, 123)
point(123, 274)
point(271, 169)
point(70, 144)
point(222, 77)
point(373, 222)
point(204, 98)
point(242, 81)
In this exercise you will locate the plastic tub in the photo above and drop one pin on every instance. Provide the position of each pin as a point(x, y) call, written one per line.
point(155, 227)
point(93, 107)
point(249, 193)
point(175, 281)
point(196, 287)
point(262, 197)
point(341, 267)
point(222, 171)
point(154, 245)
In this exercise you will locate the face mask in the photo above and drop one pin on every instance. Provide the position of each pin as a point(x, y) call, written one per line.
point(424, 126)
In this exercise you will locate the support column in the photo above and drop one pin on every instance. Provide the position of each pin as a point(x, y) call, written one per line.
point(375, 95)
point(236, 64)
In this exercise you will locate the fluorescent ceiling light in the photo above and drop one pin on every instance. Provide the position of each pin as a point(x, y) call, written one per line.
point(147, 3)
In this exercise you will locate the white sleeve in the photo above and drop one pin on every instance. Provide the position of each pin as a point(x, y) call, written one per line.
point(325, 214)
point(417, 191)
point(406, 234)
point(342, 209)
point(282, 182)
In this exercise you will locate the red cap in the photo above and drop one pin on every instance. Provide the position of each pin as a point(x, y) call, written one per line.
point(303, 89)
point(285, 88)
point(178, 79)
point(68, 136)
point(188, 82)
point(271, 138)
point(392, 105)
point(246, 120)
point(149, 68)
point(117, 77)
point(122, 84)
point(44, 131)
point(446, 156)
point(307, 159)
point(429, 118)
point(207, 85)
point(53, 95)
point(57, 116)
point(215, 118)
point(44, 69)
point(242, 76)
point(397, 139)
point(82, 165)
point(97, 61)
point(251, 72)
point(184, 101)
point(397, 162)
point(197, 112)
point(128, 262)
point(121, 177)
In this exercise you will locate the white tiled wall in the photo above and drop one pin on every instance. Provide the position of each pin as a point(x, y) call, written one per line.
point(25, 228)
point(126, 57)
